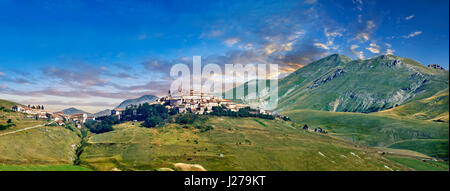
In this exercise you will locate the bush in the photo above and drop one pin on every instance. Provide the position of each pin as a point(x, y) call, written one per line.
point(204, 128)
point(152, 122)
point(105, 125)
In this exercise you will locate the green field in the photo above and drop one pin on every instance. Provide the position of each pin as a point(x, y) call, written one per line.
point(379, 130)
point(420, 165)
point(431, 147)
point(4, 167)
point(43, 145)
point(233, 144)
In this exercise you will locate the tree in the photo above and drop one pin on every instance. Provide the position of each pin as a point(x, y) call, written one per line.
point(42, 107)
point(49, 116)
point(9, 121)
point(151, 122)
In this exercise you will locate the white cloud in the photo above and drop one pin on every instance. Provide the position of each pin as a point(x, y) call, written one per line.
point(390, 51)
point(361, 55)
point(362, 36)
point(2, 74)
point(370, 25)
point(409, 17)
point(321, 45)
point(353, 49)
point(374, 48)
point(231, 41)
point(388, 45)
point(331, 35)
point(358, 3)
point(413, 34)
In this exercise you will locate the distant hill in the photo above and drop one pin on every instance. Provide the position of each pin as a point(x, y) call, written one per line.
point(72, 110)
point(137, 101)
point(102, 113)
point(7, 104)
point(338, 83)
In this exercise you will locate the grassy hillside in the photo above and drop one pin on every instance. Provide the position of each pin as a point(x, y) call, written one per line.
point(7, 104)
point(337, 83)
point(360, 85)
point(4, 167)
point(39, 145)
point(434, 108)
point(380, 130)
point(420, 165)
point(233, 144)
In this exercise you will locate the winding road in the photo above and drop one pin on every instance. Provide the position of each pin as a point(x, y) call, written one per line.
point(24, 129)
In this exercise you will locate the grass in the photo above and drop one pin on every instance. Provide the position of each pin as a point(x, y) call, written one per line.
point(42, 145)
point(420, 165)
point(434, 148)
point(233, 144)
point(4, 167)
point(7, 104)
point(374, 129)
point(435, 108)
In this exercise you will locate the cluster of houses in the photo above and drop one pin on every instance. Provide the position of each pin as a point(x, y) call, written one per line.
point(59, 117)
point(192, 102)
point(198, 103)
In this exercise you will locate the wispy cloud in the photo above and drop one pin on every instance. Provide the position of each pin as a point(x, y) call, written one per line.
point(374, 48)
point(359, 54)
point(231, 41)
point(409, 17)
point(321, 45)
point(413, 34)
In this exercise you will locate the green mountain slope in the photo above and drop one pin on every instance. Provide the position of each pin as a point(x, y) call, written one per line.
point(379, 130)
point(336, 83)
point(435, 108)
point(233, 144)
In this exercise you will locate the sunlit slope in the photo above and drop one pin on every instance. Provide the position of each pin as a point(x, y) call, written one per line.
point(337, 83)
point(42, 145)
point(359, 86)
point(380, 130)
point(233, 144)
point(7, 104)
point(434, 108)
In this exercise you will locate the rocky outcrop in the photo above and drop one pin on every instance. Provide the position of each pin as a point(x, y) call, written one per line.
point(324, 79)
point(436, 66)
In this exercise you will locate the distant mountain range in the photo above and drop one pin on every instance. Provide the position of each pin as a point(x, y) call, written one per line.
point(72, 110)
point(338, 83)
point(123, 105)
point(102, 113)
point(137, 101)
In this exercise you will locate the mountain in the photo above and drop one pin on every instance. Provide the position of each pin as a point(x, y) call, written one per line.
point(434, 108)
point(72, 110)
point(137, 101)
point(102, 113)
point(340, 84)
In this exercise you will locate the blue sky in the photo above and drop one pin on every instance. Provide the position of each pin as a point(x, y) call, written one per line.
point(93, 54)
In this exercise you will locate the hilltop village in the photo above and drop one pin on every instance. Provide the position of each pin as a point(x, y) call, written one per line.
point(193, 102)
